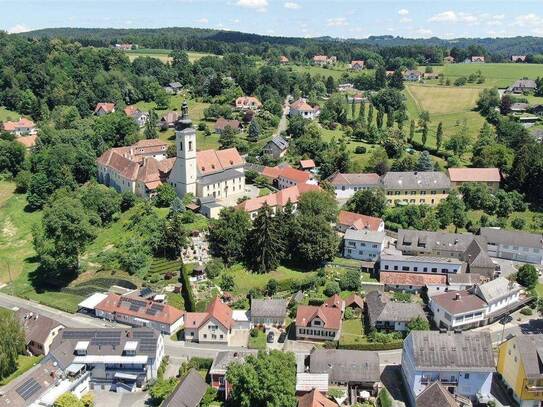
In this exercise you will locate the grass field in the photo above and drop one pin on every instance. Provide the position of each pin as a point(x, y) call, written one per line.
point(6, 115)
point(352, 332)
point(336, 72)
point(257, 342)
point(528, 216)
point(24, 363)
point(163, 54)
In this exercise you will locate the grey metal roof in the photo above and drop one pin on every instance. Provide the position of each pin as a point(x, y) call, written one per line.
point(512, 237)
point(344, 366)
point(428, 241)
point(223, 359)
point(189, 392)
point(381, 308)
point(531, 352)
point(365, 235)
point(524, 83)
point(217, 177)
point(466, 351)
point(464, 278)
point(275, 308)
point(280, 142)
point(416, 180)
point(497, 288)
point(424, 259)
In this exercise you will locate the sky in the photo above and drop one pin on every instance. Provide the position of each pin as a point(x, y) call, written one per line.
point(297, 18)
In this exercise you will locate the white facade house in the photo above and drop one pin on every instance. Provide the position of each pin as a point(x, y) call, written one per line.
point(346, 185)
point(304, 109)
point(462, 362)
point(320, 322)
point(212, 326)
point(514, 245)
point(420, 264)
point(363, 244)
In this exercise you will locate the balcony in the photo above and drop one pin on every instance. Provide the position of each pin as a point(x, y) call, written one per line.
point(534, 388)
point(444, 381)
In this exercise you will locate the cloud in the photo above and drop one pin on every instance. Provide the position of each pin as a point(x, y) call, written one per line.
point(528, 20)
point(337, 22)
point(406, 20)
point(258, 5)
point(291, 5)
point(454, 17)
point(403, 12)
point(18, 28)
point(202, 20)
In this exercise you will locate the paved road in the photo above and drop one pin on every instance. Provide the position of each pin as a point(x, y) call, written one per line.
point(283, 123)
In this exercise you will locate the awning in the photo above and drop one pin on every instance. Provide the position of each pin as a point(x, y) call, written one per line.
point(125, 376)
point(367, 264)
point(75, 368)
point(92, 301)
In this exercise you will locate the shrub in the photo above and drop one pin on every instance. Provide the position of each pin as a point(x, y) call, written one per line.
point(518, 223)
point(402, 297)
point(360, 150)
point(526, 311)
point(331, 288)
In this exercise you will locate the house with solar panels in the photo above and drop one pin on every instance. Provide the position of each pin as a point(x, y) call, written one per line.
point(139, 312)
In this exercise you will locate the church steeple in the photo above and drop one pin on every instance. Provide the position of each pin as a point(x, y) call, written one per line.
point(184, 121)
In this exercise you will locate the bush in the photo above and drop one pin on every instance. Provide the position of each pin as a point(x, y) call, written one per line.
point(349, 314)
point(527, 276)
point(316, 301)
point(331, 288)
point(526, 311)
point(518, 223)
point(402, 297)
point(360, 150)
point(375, 346)
point(214, 268)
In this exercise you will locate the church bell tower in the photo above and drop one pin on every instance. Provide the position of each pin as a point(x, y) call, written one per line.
point(185, 163)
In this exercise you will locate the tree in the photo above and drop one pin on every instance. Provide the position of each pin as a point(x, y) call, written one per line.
point(489, 99)
point(12, 343)
point(380, 77)
point(315, 241)
point(256, 382)
point(371, 202)
point(150, 130)
point(12, 155)
point(390, 118)
point(174, 236)
point(411, 131)
point(362, 115)
point(227, 138)
point(353, 109)
point(459, 142)
point(209, 397)
point(378, 161)
point(254, 131)
point(439, 135)
point(214, 268)
point(424, 137)
point(527, 276)
point(271, 287)
point(330, 85)
point(103, 201)
point(331, 288)
point(226, 282)
point(68, 399)
point(161, 389)
point(334, 110)
point(396, 80)
point(228, 235)
point(424, 162)
point(380, 115)
point(452, 210)
point(318, 203)
point(165, 196)
point(133, 256)
point(424, 118)
point(370, 115)
point(265, 249)
point(505, 104)
point(350, 281)
point(418, 324)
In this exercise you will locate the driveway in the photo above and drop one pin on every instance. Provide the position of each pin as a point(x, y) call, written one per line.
point(112, 399)
point(507, 267)
point(240, 337)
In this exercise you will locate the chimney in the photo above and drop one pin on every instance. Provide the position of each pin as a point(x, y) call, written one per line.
point(457, 297)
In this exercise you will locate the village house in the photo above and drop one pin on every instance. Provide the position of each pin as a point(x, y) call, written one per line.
point(520, 365)
point(168, 120)
point(102, 109)
point(344, 87)
point(304, 109)
point(268, 311)
point(277, 200)
point(363, 244)
point(491, 177)
point(416, 187)
point(448, 60)
point(139, 117)
point(519, 107)
point(283, 60)
point(481, 305)
point(140, 312)
point(117, 359)
point(355, 221)
point(217, 372)
point(173, 88)
point(40, 331)
point(421, 264)
point(437, 394)
point(518, 58)
point(223, 123)
point(355, 370)
point(462, 362)
point(357, 65)
point(323, 60)
point(248, 103)
point(354, 302)
point(412, 282)
point(22, 127)
point(125, 46)
point(277, 147)
point(430, 75)
point(307, 165)
point(522, 85)
point(514, 245)
point(412, 75)
point(315, 398)
point(383, 313)
point(478, 59)
point(346, 185)
point(212, 326)
point(319, 322)
point(290, 176)
point(189, 392)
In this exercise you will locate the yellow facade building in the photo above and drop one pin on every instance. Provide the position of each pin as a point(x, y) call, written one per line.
point(520, 363)
point(416, 187)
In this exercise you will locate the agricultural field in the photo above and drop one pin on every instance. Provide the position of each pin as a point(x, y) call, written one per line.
point(163, 54)
point(337, 72)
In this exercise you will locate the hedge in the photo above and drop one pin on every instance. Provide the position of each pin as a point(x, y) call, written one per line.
point(372, 346)
point(420, 147)
point(201, 363)
point(186, 290)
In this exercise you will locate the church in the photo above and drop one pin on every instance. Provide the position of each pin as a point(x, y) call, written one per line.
point(143, 167)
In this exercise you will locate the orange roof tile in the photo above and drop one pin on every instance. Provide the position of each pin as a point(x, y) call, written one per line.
point(21, 123)
point(279, 198)
point(474, 174)
point(330, 316)
point(294, 175)
point(307, 164)
point(315, 399)
point(359, 222)
point(212, 161)
point(414, 279)
point(217, 310)
point(334, 301)
point(106, 107)
point(301, 105)
point(354, 299)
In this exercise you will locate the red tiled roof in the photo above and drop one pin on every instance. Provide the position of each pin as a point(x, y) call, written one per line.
point(222, 123)
point(115, 304)
point(307, 164)
point(474, 174)
point(106, 107)
point(354, 299)
point(120, 164)
point(330, 316)
point(216, 309)
point(457, 302)
point(357, 62)
point(21, 123)
point(301, 105)
point(294, 175)
point(359, 222)
point(355, 179)
point(27, 141)
point(414, 279)
point(334, 301)
point(320, 58)
point(211, 161)
point(131, 110)
point(283, 58)
point(272, 172)
point(247, 101)
point(315, 398)
point(279, 198)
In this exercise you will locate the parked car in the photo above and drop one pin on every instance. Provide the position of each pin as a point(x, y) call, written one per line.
point(270, 337)
point(282, 337)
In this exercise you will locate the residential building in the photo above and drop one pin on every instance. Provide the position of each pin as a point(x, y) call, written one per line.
point(22, 127)
point(448, 60)
point(354, 301)
point(168, 120)
point(346, 185)
point(283, 60)
point(355, 221)
point(464, 281)
point(363, 244)
point(430, 75)
point(189, 392)
point(118, 359)
point(289, 177)
point(173, 88)
point(102, 109)
point(304, 109)
point(477, 306)
point(139, 117)
point(277, 147)
point(437, 394)
point(356, 370)
point(421, 264)
point(412, 282)
point(318, 322)
point(306, 382)
point(248, 103)
point(491, 177)
point(357, 65)
point(478, 59)
point(519, 107)
point(522, 85)
point(315, 398)
point(412, 75)
point(382, 313)
point(462, 362)
point(223, 123)
point(322, 60)
point(416, 188)
point(40, 331)
point(307, 165)
point(518, 58)
point(520, 364)
point(140, 312)
point(277, 200)
point(269, 311)
point(514, 245)
point(143, 167)
point(217, 372)
point(212, 326)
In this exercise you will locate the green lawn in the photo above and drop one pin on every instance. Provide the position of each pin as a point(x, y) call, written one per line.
point(499, 75)
point(528, 217)
point(352, 331)
point(6, 115)
point(257, 342)
point(24, 363)
point(162, 54)
point(337, 72)
point(264, 191)
point(539, 289)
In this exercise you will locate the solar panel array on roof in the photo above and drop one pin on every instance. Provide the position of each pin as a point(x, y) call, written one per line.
point(95, 337)
point(151, 311)
point(143, 334)
point(28, 388)
point(135, 302)
point(147, 344)
point(145, 292)
point(134, 307)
